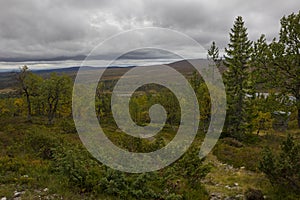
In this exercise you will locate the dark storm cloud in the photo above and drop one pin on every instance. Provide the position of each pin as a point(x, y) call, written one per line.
point(149, 54)
point(35, 29)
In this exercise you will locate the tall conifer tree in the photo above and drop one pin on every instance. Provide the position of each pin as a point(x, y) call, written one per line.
point(237, 79)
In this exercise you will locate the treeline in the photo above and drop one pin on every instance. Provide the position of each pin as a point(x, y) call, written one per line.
point(252, 68)
point(38, 96)
point(256, 67)
point(274, 67)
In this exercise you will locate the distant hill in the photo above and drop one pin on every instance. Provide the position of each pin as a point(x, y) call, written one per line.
point(8, 79)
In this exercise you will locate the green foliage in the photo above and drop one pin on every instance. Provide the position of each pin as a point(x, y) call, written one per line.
point(55, 92)
point(283, 169)
point(34, 155)
point(288, 64)
point(190, 165)
point(204, 106)
point(8, 107)
point(10, 165)
point(278, 63)
point(231, 152)
point(237, 79)
point(88, 175)
point(67, 125)
point(74, 170)
point(254, 194)
point(75, 164)
point(174, 197)
point(213, 52)
point(41, 143)
point(263, 121)
point(50, 96)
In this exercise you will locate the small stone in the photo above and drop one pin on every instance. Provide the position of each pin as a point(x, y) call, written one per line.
point(37, 191)
point(18, 194)
point(229, 198)
point(46, 190)
point(242, 167)
point(239, 196)
point(228, 187)
point(236, 184)
point(3, 198)
point(215, 196)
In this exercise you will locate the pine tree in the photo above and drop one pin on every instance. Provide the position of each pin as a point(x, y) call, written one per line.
point(237, 79)
point(278, 64)
point(287, 64)
point(213, 52)
point(213, 55)
point(283, 169)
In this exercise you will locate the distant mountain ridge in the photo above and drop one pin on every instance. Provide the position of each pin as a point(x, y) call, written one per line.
point(8, 79)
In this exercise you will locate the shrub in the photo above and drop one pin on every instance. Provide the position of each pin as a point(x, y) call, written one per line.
point(80, 170)
point(238, 157)
point(233, 142)
point(174, 197)
point(9, 166)
point(68, 126)
point(283, 169)
point(254, 194)
point(41, 143)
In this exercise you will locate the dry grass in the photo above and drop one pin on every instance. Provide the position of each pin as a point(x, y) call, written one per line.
point(230, 181)
point(7, 90)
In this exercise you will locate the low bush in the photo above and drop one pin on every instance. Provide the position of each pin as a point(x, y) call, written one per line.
point(254, 194)
point(41, 143)
point(283, 169)
point(238, 157)
point(68, 126)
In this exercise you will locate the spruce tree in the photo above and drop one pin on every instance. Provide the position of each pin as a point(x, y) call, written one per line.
point(213, 52)
point(213, 55)
point(237, 79)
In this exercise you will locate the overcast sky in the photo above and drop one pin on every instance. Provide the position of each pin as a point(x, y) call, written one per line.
point(35, 29)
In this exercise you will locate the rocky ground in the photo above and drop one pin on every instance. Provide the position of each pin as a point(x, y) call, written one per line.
point(225, 182)
point(36, 194)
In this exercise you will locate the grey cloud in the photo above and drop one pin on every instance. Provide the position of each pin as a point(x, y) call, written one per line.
point(144, 54)
point(49, 29)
